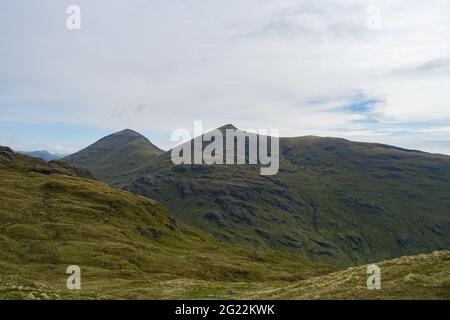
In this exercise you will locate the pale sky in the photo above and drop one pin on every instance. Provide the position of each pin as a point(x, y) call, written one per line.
point(376, 71)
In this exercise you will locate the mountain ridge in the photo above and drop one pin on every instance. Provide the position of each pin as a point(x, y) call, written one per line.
point(333, 199)
point(44, 155)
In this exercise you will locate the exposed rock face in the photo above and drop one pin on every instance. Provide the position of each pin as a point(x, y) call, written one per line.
point(6, 154)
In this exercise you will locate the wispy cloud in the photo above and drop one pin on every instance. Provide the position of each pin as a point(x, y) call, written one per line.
point(433, 67)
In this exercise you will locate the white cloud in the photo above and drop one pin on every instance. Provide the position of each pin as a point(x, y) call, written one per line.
point(161, 65)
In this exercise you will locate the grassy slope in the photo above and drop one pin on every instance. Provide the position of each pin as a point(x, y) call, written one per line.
point(425, 276)
point(126, 245)
point(333, 200)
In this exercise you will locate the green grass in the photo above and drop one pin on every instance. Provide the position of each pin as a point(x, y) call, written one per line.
point(425, 276)
point(127, 246)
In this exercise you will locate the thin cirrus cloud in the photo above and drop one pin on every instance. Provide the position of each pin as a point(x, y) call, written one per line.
point(433, 67)
point(305, 67)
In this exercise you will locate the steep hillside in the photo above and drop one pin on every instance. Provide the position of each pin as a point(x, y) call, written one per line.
point(335, 200)
point(115, 157)
point(127, 246)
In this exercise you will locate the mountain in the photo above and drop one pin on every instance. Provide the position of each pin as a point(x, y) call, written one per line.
point(334, 200)
point(115, 156)
point(130, 247)
point(44, 155)
point(127, 246)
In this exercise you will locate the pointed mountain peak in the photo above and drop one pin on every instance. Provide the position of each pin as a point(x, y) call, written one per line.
point(120, 139)
point(127, 132)
point(115, 155)
point(226, 127)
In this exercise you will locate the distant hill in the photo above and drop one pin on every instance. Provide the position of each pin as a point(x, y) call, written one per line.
point(127, 246)
point(44, 155)
point(115, 157)
point(333, 200)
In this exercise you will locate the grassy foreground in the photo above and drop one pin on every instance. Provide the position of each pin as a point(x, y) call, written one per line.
point(424, 276)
